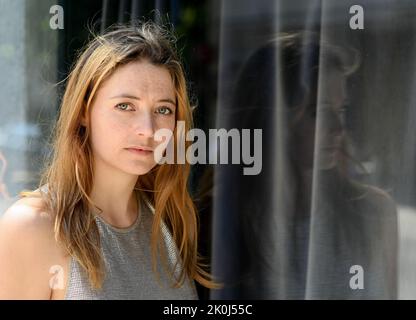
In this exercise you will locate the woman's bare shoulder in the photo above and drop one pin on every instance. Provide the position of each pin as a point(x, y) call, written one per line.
point(376, 200)
point(27, 250)
point(28, 214)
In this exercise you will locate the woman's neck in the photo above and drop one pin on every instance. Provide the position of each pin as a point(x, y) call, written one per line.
point(113, 192)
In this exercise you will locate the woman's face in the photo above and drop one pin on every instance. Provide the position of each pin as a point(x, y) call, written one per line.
point(130, 106)
point(328, 141)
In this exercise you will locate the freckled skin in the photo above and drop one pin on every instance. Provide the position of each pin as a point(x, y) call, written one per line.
point(114, 129)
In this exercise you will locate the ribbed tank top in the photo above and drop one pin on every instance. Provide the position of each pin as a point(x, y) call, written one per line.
point(128, 264)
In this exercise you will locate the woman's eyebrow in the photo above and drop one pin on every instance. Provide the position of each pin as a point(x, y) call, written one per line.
point(129, 96)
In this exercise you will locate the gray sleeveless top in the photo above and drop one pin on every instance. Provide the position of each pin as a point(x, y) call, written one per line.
point(128, 264)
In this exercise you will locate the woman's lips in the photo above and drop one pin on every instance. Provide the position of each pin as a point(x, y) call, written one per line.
point(140, 151)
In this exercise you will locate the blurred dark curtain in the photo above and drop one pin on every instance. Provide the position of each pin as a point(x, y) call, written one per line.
point(332, 88)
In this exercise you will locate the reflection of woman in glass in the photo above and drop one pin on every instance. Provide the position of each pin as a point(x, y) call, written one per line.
point(303, 222)
point(110, 221)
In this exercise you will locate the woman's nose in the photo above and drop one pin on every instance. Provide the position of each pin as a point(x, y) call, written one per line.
point(144, 124)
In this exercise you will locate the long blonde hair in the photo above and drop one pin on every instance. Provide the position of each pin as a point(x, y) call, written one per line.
point(69, 172)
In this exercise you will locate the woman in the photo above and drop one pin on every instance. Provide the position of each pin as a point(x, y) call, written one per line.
point(108, 221)
point(304, 221)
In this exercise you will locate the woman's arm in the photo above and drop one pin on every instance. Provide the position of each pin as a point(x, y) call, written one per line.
point(27, 247)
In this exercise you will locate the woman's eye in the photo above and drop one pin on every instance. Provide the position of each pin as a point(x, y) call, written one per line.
point(164, 110)
point(123, 106)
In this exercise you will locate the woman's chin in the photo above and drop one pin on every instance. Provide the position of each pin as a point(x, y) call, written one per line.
point(139, 170)
point(327, 161)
